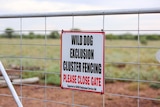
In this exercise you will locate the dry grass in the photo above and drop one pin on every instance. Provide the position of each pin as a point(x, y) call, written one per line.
point(46, 54)
point(134, 86)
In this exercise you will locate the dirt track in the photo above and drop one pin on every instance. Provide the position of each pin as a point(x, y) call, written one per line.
point(57, 96)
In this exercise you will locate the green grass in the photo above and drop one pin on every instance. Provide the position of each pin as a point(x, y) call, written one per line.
point(40, 58)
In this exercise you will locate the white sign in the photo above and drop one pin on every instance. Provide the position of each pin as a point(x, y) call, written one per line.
point(158, 56)
point(82, 61)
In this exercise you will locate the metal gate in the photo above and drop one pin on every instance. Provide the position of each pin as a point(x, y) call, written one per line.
point(131, 70)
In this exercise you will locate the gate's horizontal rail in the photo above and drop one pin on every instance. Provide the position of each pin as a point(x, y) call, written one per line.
point(85, 13)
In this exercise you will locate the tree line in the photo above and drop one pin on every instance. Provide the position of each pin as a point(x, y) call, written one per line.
point(129, 36)
point(10, 33)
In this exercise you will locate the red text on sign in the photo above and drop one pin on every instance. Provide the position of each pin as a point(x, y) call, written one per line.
point(84, 80)
point(69, 78)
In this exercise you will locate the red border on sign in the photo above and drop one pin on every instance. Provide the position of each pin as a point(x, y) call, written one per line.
point(103, 33)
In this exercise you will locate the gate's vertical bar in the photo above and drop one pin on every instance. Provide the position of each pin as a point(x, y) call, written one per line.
point(72, 90)
point(21, 65)
point(72, 22)
point(45, 55)
point(138, 56)
point(103, 21)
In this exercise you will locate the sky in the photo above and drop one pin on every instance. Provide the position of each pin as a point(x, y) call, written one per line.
point(126, 22)
point(36, 6)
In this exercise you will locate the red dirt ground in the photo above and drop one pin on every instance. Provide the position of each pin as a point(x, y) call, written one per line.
point(34, 96)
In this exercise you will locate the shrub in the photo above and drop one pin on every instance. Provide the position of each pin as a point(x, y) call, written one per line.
point(143, 40)
point(53, 79)
point(155, 86)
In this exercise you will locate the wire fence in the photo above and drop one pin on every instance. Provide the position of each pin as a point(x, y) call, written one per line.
point(131, 70)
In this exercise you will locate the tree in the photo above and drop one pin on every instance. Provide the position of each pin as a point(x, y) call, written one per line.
point(31, 35)
point(9, 32)
point(54, 35)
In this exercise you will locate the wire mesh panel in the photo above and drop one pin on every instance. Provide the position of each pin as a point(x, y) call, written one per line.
point(30, 47)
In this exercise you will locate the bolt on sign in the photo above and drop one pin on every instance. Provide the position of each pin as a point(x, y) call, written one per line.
point(82, 61)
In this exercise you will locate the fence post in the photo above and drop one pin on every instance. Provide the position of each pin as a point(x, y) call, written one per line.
point(12, 90)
